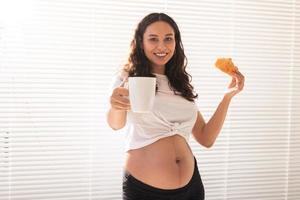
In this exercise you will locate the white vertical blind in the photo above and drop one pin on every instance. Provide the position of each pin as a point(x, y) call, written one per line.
point(57, 60)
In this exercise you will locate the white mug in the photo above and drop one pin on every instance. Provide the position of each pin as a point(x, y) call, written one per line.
point(141, 93)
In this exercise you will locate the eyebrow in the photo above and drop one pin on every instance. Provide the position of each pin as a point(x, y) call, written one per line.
point(154, 35)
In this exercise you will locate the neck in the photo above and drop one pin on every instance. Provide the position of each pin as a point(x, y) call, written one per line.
point(158, 69)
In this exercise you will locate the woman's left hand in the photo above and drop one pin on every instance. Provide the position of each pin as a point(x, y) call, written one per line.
point(236, 85)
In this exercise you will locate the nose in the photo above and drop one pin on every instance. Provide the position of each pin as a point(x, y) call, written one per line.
point(161, 46)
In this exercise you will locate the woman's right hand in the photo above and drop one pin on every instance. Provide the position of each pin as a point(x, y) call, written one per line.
point(119, 99)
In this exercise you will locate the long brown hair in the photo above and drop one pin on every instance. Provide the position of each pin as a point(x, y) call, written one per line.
point(139, 65)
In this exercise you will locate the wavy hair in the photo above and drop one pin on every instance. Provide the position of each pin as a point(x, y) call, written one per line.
point(139, 65)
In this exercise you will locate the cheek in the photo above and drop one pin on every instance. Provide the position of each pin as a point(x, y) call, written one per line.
point(148, 50)
point(149, 47)
point(172, 47)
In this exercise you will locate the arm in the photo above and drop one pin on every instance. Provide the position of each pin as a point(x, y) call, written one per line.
point(116, 118)
point(117, 114)
point(210, 131)
point(207, 133)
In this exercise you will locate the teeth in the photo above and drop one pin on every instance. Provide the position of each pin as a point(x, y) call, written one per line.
point(160, 54)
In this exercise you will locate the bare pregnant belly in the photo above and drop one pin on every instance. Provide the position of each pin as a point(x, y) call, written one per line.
point(167, 163)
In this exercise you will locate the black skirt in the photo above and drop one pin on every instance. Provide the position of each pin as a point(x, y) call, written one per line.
point(134, 189)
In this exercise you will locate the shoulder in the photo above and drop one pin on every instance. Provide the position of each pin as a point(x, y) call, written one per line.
point(123, 74)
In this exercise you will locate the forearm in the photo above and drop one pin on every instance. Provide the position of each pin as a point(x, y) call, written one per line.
point(116, 118)
point(213, 127)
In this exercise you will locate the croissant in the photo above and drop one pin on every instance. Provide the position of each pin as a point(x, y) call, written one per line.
point(226, 65)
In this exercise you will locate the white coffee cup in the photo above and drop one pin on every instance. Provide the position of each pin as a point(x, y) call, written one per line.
point(141, 93)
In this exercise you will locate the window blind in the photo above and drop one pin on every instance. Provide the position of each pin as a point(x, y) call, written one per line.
point(56, 66)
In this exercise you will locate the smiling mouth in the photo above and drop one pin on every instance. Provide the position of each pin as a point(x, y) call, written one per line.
point(161, 55)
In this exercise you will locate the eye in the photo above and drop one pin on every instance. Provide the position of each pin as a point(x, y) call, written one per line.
point(153, 39)
point(169, 39)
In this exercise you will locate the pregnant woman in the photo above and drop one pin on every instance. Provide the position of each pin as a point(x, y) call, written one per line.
point(160, 164)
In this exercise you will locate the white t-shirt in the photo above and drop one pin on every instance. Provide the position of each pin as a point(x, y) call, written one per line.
point(172, 114)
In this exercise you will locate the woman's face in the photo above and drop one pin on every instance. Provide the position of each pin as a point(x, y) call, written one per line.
point(159, 44)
